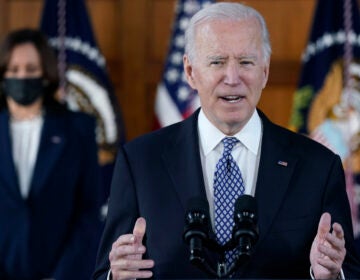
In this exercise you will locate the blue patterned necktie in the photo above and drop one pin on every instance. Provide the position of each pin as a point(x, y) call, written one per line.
point(228, 186)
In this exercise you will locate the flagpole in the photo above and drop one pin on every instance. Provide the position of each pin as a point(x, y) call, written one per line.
point(62, 49)
point(348, 53)
point(348, 84)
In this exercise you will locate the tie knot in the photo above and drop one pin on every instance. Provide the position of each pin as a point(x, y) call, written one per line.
point(229, 143)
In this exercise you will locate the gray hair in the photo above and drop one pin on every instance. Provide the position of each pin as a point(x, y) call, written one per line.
point(226, 11)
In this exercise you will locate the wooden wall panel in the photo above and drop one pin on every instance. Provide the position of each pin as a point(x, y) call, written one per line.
point(134, 37)
point(133, 20)
point(161, 19)
point(24, 13)
point(276, 102)
point(105, 15)
point(3, 16)
point(288, 23)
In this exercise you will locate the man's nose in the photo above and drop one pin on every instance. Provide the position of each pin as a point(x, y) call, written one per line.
point(232, 74)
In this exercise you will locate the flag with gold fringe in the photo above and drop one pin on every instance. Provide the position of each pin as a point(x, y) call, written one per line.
point(84, 81)
point(327, 102)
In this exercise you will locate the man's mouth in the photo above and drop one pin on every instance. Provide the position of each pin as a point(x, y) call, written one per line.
point(232, 98)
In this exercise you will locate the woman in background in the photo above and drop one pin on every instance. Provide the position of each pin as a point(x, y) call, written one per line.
point(49, 175)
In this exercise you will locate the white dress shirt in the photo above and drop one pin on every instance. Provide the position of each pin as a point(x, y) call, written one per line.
point(246, 153)
point(25, 136)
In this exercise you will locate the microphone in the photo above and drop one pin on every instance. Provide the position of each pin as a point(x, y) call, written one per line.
point(196, 230)
point(245, 232)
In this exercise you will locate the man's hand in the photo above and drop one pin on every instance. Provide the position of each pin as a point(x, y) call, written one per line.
point(126, 255)
point(328, 249)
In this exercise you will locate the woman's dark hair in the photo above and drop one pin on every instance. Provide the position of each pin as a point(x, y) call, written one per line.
point(47, 59)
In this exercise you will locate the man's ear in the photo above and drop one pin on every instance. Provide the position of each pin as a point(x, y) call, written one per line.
point(188, 70)
point(266, 74)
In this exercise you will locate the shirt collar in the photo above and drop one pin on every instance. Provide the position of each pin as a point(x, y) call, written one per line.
point(249, 135)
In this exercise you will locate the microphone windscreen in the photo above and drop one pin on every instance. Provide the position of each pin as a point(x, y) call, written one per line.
point(198, 204)
point(246, 203)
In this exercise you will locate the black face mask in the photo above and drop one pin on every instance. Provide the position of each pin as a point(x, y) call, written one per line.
point(23, 91)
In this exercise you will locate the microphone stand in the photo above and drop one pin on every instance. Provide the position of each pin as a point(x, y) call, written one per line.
point(222, 271)
point(197, 259)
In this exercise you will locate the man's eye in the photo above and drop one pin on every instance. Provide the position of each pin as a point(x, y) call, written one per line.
point(217, 62)
point(246, 62)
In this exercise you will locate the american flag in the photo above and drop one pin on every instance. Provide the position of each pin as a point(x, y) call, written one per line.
point(175, 100)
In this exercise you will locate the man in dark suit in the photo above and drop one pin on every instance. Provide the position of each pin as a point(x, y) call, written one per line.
point(304, 219)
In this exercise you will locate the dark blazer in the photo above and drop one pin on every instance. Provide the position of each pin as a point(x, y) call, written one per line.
point(53, 233)
point(158, 173)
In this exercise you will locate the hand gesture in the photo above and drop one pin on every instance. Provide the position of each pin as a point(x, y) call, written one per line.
point(328, 249)
point(126, 255)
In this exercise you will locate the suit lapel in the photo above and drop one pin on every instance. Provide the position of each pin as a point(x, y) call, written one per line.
point(52, 142)
point(8, 175)
point(182, 159)
point(277, 164)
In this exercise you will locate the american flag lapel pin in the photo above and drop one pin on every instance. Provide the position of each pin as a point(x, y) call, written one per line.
point(282, 163)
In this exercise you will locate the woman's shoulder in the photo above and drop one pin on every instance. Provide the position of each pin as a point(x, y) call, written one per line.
point(74, 120)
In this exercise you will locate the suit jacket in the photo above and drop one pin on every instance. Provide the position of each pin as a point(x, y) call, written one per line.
point(55, 231)
point(158, 173)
